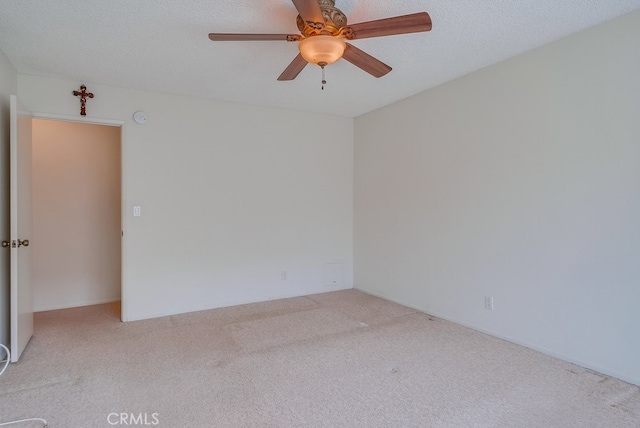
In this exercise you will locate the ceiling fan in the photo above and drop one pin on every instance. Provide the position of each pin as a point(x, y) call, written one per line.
point(325, 31)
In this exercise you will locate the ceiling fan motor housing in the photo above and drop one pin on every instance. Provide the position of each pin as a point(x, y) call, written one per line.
point(334, 20)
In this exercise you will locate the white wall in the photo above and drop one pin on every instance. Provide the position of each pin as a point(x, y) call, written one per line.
point(8, 86)
point(520, 181)
point(76, 214)
point(231, 196)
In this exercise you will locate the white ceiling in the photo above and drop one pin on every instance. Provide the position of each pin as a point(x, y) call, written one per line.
point(162, 45)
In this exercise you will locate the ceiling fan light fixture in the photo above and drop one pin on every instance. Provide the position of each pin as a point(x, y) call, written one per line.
point(322, 49)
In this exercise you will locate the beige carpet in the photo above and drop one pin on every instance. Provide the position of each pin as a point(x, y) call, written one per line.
point(342, 359)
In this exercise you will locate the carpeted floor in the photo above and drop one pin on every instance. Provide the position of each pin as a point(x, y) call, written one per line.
point(341, 359)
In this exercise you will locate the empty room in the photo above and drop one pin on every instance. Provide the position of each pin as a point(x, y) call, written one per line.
point(319, 213)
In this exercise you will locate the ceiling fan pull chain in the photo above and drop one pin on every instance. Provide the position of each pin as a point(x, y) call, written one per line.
point(324, 80)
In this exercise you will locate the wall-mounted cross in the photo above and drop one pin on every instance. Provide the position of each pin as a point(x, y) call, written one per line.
point(83, 95)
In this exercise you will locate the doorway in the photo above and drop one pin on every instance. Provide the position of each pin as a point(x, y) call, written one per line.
point(76, 214)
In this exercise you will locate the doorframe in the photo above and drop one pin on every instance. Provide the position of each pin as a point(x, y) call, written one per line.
point(123, 211)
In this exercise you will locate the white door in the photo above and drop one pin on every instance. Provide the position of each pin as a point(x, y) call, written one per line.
point(21, 321)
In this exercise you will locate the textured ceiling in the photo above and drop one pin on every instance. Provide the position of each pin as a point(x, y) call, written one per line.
point(162, 45)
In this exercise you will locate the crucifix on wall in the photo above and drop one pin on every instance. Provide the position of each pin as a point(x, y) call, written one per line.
point(83, 95)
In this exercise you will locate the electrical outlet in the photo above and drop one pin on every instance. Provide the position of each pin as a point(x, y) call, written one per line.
point(283, 275)
point(488, 302)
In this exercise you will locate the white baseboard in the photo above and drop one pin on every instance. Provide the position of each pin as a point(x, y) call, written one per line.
point(74, 305)
point(543, 350)
point(237, 302)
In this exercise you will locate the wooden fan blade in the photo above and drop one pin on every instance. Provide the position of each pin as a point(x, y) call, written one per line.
point(414, 23)
point(292, 71)
point(239, 37)
point(363, 60)
point(309, 10)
